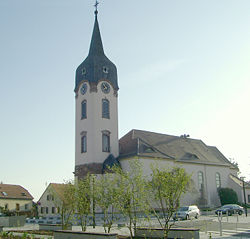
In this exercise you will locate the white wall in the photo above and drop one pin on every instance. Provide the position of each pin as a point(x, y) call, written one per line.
point(13, 202)
point(247, 191)
point(209, 172)
point(43, 202)
point(238, 188)
point(147, 163)
point(94, 125)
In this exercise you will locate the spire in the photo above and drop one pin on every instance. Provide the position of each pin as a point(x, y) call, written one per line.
point(96, 66)
point(96, 47)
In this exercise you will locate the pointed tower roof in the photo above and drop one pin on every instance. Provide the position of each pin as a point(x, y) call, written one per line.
point(96, 67)
point(96, 47)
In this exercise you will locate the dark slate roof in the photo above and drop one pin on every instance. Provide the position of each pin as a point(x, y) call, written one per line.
point(9, 191)
point(156, 145)
point(94, 63)
point(109, 162)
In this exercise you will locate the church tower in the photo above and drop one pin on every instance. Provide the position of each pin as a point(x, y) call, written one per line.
point(96, 122)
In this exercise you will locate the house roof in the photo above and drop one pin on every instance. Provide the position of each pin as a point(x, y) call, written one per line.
point(109, 162)
point(9, 191)
point(239, 181)
point(182, 149)
point(58, 188)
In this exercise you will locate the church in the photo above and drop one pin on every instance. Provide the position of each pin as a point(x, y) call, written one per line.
point(97, 145)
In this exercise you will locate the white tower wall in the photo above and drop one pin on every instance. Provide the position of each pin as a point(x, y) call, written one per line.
point(94, 124)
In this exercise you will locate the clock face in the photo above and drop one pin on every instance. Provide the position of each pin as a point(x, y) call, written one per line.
point(105, 87)
point(84, 88)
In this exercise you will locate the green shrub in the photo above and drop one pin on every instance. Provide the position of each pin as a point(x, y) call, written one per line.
point(4, 234)
point(227, 196)
point(25, 235)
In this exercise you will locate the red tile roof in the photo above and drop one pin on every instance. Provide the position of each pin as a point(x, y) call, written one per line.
point(9, 191)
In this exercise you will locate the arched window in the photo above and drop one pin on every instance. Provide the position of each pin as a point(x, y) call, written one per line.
point(105, 108)
point(84, 109)
point(84, 142)
point(200, 180)
point(217, 180)
point(105, 141)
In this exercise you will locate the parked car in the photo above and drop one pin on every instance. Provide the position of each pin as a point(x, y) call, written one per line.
point(230, 209)
point(187, 212)
point(31, 220)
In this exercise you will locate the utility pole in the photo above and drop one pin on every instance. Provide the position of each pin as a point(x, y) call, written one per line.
point(93, 195)
point(244, 194)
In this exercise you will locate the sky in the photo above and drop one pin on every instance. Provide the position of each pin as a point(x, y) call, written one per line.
point(183, 68)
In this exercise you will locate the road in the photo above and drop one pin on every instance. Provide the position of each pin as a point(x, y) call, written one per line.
point(233, 226)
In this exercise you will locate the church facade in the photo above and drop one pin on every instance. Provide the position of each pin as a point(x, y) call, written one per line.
point(208, 167)
point(96, 135)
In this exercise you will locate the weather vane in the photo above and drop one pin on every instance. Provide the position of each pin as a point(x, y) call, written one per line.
point(96, 5)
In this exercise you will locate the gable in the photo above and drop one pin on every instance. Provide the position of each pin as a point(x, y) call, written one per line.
point(56, 188)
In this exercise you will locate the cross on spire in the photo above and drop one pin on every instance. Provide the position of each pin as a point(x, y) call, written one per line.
point(96, 5)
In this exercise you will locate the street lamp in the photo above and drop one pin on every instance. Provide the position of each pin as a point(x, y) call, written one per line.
point(244, 193)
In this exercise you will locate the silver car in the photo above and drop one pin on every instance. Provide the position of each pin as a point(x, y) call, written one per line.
point(187, 212)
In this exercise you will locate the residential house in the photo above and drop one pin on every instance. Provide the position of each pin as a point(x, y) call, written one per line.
point(15, 198)
point(51, 200)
